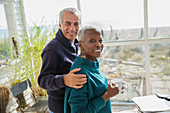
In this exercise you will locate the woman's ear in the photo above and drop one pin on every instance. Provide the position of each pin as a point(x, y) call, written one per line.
point(80, 44)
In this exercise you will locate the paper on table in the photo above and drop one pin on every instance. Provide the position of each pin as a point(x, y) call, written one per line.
point(151, 103)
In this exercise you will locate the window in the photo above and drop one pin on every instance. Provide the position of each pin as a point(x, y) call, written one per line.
point(127, 50)
point(4, 36)
point(159, 28)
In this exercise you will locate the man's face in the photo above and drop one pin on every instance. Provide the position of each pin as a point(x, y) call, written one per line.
point(91, 44)
point(70, 26)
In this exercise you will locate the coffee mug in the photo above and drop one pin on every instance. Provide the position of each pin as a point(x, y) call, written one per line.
point(119, 82)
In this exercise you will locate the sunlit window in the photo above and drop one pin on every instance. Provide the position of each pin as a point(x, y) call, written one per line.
point(4, 40)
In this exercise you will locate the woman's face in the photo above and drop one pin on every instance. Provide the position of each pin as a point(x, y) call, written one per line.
point(91, 44)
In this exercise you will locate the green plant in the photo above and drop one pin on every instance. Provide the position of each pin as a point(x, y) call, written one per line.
point(30, 61)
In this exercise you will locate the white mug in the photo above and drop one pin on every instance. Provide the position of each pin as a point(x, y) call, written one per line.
point(119, 82)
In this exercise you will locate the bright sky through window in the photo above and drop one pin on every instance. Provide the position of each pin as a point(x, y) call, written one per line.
point(118, 13)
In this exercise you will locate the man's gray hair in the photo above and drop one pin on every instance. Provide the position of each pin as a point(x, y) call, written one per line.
point(86, 28)
point(70, 10)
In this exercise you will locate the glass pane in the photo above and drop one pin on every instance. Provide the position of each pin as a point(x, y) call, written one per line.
point(130, 68)
point(4, 39)
point(159, 24)
point(159, 53)
point(48, 10)
point(160, 68)
point(119, 19)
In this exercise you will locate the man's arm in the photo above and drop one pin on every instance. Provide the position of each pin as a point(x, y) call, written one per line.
point(49, 81)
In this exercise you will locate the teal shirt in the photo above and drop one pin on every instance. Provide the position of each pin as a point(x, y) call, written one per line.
point(88, 98)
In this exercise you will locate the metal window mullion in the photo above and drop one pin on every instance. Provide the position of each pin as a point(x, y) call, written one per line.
point(137, 42)
point(123, 43)
point(147, 89)
point(78, 5)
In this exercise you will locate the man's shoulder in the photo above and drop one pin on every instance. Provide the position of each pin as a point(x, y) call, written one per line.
point(53, 44)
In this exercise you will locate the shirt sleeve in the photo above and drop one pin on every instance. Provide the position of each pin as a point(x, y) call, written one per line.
point(47, 79)
point(80, 103)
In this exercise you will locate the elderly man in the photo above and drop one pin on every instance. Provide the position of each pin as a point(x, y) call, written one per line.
point(58, 56)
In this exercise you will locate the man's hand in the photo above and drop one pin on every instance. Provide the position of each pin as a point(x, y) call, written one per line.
point(75, 80)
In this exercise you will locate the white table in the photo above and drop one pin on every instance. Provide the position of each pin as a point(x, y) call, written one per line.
point(151, 103)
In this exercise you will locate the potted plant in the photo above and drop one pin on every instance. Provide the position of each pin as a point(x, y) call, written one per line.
point(24, 94)
point(4, 98)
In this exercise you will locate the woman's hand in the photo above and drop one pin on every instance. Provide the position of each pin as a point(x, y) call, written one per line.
point(112, 91)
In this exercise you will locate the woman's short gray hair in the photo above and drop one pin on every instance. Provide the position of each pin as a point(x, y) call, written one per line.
point(70, 10)
point(86, 28)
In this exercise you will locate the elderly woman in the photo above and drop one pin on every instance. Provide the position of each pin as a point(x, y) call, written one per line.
point(94, 96)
